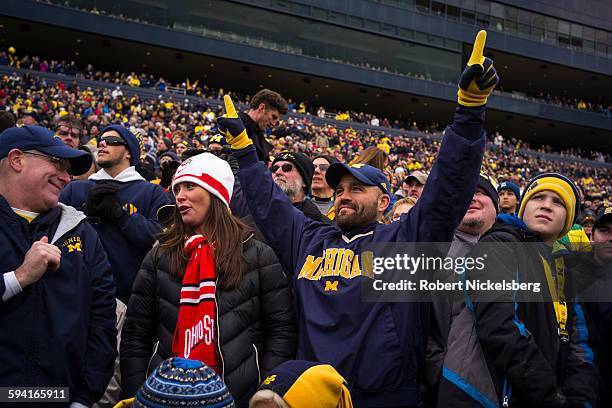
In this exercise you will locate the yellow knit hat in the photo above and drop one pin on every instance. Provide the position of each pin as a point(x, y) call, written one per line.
point(304, 384)
point(563, 186)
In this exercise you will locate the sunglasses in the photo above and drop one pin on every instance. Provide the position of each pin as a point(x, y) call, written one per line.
point(113, 141)
point(322, 167)
point(60, 164)
point(286, 168)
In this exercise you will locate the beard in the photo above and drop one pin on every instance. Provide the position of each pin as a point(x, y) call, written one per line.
point(291, 188)
point(473, 222)
point(360, 217)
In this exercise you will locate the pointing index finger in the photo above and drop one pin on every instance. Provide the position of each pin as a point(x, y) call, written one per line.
point(230, 110)
point(477, 56)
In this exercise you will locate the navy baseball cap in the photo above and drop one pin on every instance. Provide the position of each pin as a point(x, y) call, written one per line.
point(604, 215)
point(365, 173)
point(42, 140)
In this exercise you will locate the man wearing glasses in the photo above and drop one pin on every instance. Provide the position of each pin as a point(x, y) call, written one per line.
point(69, 129)
point(57, 296)
point(293, 172)
point(120, 204)
point(322, 194)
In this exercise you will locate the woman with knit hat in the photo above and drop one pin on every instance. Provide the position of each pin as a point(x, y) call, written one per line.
point(536, 348)
point(208, 291)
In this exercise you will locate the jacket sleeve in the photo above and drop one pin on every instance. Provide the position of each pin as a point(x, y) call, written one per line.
point(452, 181)
point(139, 328)
point(276, 312)
point(142, 229)
point(581, 377)
point(102, 340)
point(278, 220)
point(508, 344)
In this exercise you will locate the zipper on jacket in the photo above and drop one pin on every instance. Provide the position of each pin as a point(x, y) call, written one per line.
point(155, 347)
point(219, 332)
point(257, 363)
point(506, 399)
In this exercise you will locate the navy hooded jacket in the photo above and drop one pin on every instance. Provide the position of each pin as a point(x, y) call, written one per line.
point(127, 241)
point(379, 348)
point(59, 331)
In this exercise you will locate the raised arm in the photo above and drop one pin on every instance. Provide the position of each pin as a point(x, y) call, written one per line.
point(452, 180)
point(279, 221)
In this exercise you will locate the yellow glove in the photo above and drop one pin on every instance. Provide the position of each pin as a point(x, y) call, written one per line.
point(479, 77)
point(232, 127)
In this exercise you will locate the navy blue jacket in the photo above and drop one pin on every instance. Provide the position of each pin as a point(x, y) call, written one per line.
point(59, 331)
point(128, 241)
point(379, 348)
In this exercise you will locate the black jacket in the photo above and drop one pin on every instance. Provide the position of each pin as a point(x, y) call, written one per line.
point(595, 289)
point(527, 359)
point(257, 324)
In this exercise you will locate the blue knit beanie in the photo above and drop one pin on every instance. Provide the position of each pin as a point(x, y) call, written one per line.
point(135, 144)
point(178, 382)
point(508, 185)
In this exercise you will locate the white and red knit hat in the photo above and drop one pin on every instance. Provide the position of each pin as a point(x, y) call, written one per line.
point(209, 172)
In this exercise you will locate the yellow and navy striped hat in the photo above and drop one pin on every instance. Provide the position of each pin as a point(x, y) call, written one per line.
point(563, 186)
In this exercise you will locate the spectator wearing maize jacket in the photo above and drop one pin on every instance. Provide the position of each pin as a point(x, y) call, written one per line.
point(57, 303)
point(378, 348)
point(537, 350)
point(120, 204)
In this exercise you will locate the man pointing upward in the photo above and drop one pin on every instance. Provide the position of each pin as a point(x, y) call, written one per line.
point(378, 347)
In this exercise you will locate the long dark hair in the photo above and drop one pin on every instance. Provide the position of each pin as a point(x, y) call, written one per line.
point(224, 230)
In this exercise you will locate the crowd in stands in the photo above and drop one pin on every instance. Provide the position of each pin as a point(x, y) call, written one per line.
point(178, 119)
point(165, 252)
point(193, 87)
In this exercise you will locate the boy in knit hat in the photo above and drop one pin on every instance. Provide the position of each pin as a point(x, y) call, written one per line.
point(537, 351)
point(509, 197)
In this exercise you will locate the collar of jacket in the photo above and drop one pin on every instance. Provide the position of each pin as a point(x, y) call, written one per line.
point(251, 126)
point(360, 231)
point(127, 175)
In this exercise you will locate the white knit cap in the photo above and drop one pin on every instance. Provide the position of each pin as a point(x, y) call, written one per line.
point(209, 172)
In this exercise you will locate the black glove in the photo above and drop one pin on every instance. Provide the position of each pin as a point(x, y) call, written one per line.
point(233, 163)
point(103, 202)
point(167, 172)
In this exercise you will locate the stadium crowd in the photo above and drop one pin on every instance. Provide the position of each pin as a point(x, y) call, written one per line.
point(159, 252)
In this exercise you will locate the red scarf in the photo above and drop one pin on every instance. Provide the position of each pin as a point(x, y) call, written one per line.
point(195, 332)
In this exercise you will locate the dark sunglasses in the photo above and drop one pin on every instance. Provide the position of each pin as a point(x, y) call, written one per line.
point(322, 167)
point(286, 168)
point(112, 141)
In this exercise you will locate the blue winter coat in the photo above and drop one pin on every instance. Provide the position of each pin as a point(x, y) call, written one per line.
point(59, 331)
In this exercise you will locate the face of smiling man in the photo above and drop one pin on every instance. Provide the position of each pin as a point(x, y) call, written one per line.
point(357, 204)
